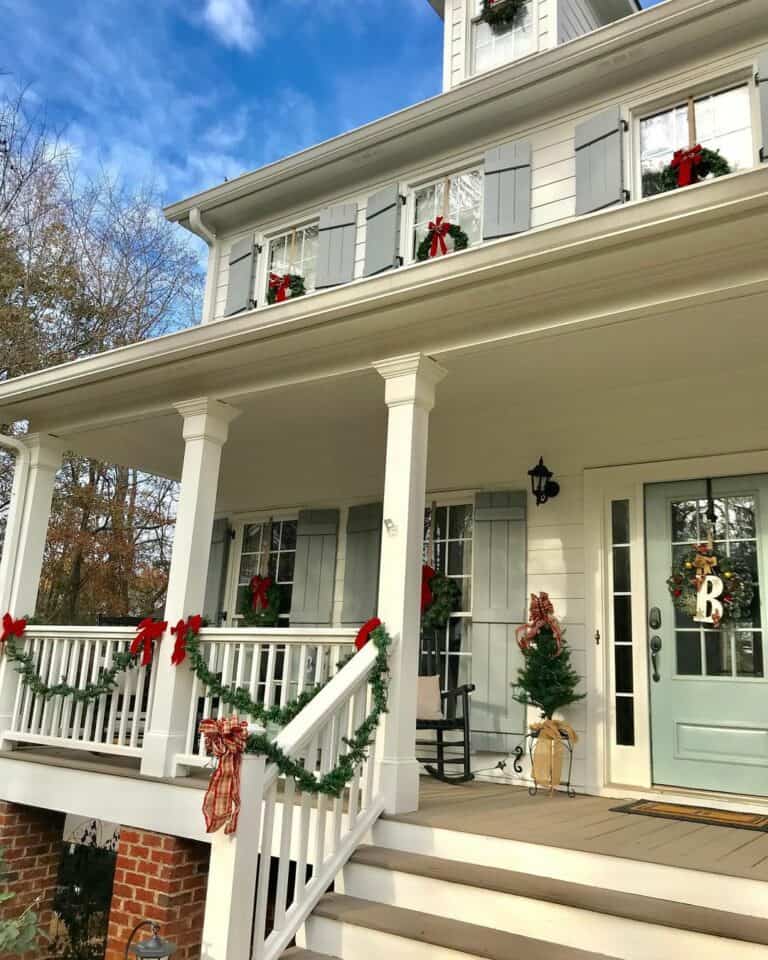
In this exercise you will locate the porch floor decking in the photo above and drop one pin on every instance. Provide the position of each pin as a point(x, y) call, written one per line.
point(587, 824)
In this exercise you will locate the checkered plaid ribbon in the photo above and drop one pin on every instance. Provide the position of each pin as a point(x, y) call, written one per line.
point(225, 739)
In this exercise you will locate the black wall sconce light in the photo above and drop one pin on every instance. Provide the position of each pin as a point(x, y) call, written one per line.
point(543, 486)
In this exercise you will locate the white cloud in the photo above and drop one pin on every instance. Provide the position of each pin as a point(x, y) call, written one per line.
point(234, 23)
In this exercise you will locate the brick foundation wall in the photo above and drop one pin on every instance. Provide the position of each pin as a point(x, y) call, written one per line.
point(32, 843)
point(163, 879)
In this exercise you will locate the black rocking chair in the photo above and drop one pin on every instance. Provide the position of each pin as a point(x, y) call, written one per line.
point(455, 709)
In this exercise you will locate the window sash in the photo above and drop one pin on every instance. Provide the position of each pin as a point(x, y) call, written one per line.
point(448, 203)
point(298, 255)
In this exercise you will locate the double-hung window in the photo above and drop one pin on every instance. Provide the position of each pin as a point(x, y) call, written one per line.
point(491, 49)
point(268, 549)
point(294, 252)
point(458, 198)
point(719, 121)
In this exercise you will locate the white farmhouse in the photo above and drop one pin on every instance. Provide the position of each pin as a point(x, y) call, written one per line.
point(562, 256)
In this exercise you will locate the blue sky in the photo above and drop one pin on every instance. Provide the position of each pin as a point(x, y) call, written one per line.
point(186, 92)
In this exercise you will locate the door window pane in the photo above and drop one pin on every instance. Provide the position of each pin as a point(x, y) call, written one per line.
point(717, 646)
point(749, 654)
point(688, 653)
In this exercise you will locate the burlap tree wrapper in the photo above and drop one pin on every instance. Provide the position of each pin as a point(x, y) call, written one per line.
point(549, 751)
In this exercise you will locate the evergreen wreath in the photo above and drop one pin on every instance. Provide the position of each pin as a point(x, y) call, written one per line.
point(445, 599)
point(738, 588)
point(500, 15)
point(267, 613)
point(712, 164)
point(285, 287)
point(434, 239)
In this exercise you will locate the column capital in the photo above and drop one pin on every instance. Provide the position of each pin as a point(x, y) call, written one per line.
point(411, 378)
point(44, 449)
point(206, 418)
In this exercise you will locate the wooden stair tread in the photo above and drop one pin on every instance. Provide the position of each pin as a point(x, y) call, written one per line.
point(469, 938)
point(298, 953)
point(627, 906)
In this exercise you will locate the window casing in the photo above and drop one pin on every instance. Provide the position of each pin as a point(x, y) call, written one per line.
point(721, 120)
point(457, 197)
point(268, 548)
point(490, 49)
point(294, 251)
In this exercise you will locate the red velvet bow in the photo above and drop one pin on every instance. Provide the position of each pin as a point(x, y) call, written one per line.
point(259, 588)
point(542, 615)
point(12, 628)
point(427, 573)
point(685, 162)
point(149, 630)
point(281, 286)
point(181, 631)
point(364, 633)
point(439, 229)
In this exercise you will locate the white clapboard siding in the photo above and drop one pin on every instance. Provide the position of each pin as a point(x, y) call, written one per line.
point(575, 18)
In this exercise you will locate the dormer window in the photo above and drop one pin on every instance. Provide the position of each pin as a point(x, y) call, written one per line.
point(458, 198)
point(491, 49)
point(294, 252)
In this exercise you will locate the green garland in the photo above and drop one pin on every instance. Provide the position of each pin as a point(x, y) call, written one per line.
point(267, 616)
point(445, 599)
point(500, 15)
point(713, 164)
point(106, 683)
point(459, 237)
point(738, 592)
point(296, 286)
point(332, 783)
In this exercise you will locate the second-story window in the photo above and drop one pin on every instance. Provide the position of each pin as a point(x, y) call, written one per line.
point(295, 252)
point(269, 549)
point(491, 49)
point(719, 121)
point(457, 198)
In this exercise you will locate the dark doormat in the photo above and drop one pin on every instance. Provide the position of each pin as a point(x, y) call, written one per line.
point(703, 815)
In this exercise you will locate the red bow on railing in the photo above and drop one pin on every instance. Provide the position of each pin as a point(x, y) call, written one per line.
point(427, 573)
point(226, 739)
point(542, 615)
point(364, 633)
point(685, 162)
point(180, 631)
point(259, 588)
point(439, 229)
point(281, 286)
point(11, 628)
point(149, 630)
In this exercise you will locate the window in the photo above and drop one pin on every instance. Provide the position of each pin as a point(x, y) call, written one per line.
point(448, 548)
point(294, 252)
point(719, 121)
point(269, 549)
point(621, 585)
point(457, 198)
point(490, 49)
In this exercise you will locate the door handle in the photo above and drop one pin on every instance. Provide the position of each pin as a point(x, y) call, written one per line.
point(654, 618)
point(655, 650)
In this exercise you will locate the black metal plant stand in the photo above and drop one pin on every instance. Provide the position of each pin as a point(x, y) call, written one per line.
point(527, 745)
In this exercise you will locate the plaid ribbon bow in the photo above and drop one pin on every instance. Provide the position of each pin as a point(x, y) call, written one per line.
point(542, 616)
point(11, 628)
point(225, 738)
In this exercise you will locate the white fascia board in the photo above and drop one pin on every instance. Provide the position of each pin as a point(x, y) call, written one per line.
point(539, 77)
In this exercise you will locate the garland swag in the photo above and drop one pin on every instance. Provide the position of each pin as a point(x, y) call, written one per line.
point(285, 287)
point(686, 167)
point(500, 15)
point(698, 563)
point(434, 244)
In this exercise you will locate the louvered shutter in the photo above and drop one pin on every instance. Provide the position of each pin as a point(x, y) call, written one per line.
point(240, 283)
point(600, 161)
point(382, 230)
point(507, 190)
point(498, 607)
point(762, 87)
point(315, 570)
point(336, 246)
point(361, 563)
point(215, 584)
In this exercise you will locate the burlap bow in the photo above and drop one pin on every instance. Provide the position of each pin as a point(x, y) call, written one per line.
point(548, 755)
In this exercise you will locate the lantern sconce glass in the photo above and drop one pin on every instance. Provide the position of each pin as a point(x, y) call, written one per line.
point(155, 948)
point(543, 486)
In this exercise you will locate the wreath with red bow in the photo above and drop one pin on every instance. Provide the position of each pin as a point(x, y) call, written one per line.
point(434, 245)
point(500, 15)
point(261, 608)
point(285, 286)
point(687, 166)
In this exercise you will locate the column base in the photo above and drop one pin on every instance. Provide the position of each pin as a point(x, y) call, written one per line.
point(399, 782)
point(159, 752)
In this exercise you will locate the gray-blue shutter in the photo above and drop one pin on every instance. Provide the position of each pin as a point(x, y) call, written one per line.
point(507, 190)
point(361, 563)
point(240, 282)
point(599, 146)
point(498, 606)
point(382, 230)
point(315, 569)
point(215, 584)
point(336, 245)
point(762, 88)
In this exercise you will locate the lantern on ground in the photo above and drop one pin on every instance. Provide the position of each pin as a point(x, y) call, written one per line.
point(154, 948)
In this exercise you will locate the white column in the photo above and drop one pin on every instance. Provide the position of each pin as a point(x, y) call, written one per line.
point(410, 395)
point(205, 430)
point(233, 870)
point(28, 517)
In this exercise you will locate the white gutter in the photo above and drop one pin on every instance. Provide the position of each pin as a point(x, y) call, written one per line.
point(199, 227)
point(13, 523)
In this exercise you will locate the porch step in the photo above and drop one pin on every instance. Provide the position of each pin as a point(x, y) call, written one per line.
point(356, 928)
point(298, 953)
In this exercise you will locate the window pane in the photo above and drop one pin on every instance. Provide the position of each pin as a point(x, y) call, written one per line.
point(625, 721)
point(624, 678)
point(622, 619)
point(621, 581)
point(661, 135)
point(688, 654)
point(456, 557)
point(252, 537)
point(285, 567)
point(684, 521)
point(723, 123)
point(492, 49)
point(460, 522)
point(718, 649)
point(620, 521)
point(749, 654)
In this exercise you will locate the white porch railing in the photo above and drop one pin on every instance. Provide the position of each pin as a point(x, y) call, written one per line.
point(274, 666)
point(114, 723)
point(288, 829)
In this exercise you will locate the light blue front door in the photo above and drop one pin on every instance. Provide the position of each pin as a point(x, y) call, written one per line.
point(709, 693)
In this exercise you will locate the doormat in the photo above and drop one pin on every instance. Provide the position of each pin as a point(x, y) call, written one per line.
point(703, 815)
